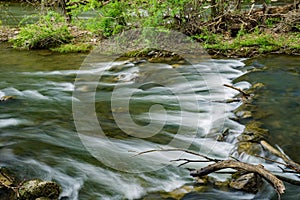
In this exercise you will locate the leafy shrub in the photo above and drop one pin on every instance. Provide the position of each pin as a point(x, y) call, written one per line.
point(49, 31)
point(108, 19)
point(112, 18)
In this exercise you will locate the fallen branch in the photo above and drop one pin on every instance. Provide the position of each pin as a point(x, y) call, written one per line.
point(244, 94)
point(277, 183)
point(290, 164)
point(281, 163)
point(186, 161)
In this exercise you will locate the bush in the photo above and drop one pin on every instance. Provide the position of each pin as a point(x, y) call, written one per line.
point(48, 32)
point(109, 19)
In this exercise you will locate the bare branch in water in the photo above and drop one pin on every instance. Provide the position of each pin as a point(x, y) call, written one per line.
point(259, 169)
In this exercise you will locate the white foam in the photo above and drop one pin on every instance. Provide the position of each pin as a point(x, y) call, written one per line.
point(32, 94)
point(2, 94)
point(65, 86)
point(11, 122)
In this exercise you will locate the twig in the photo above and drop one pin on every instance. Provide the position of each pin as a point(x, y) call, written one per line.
point(238, 89)
point(251, 9)
point(183, 150)
point(271, 160)
point(187, 161)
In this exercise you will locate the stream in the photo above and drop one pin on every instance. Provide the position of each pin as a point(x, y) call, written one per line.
point(90, 149)
point(46, 133)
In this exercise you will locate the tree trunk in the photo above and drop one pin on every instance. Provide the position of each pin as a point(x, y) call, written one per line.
point(66, 11)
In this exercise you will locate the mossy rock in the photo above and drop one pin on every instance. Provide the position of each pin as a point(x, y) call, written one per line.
point(248, 182)
point(249, 148)
point(179, 193)
point(254, 127)
point(36, 188)
point(244, 114)
point(6, 182)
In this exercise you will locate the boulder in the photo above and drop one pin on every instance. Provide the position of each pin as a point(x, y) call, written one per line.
point(38, 189)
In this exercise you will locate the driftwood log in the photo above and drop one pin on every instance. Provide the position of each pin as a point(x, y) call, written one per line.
point(259, 169)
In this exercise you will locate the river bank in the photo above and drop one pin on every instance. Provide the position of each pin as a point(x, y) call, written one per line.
point(271, 30)
point(245, 45)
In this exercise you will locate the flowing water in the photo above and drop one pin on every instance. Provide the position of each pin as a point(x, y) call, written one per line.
point(39, 139)
point(43, 136)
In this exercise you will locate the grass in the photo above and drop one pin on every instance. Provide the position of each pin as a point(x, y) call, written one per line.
point(256, 42)
point(73, 48)
point(50, 31)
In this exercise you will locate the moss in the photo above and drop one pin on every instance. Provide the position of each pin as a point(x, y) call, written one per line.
point(255, 43)
point(254, 127)
point(249, 148)
point(73, 48)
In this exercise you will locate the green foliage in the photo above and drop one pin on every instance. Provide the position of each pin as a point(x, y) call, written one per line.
point(207, 38)
point(256, 42)
point(270, 22)
point(108, 19)
point(116, 16)
point(241, 32)
point(76, 8)
point(262, 40)
point(162, 13)
point(49, 31)
point(73, 48)
point(113, 18)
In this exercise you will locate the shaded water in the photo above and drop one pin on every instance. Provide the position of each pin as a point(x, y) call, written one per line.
point(38, 137)
point(11, 14)
point(278, 103)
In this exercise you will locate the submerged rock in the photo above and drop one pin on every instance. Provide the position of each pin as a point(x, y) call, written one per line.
point(6, 98)
point(34, 189)
point(179, 193)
